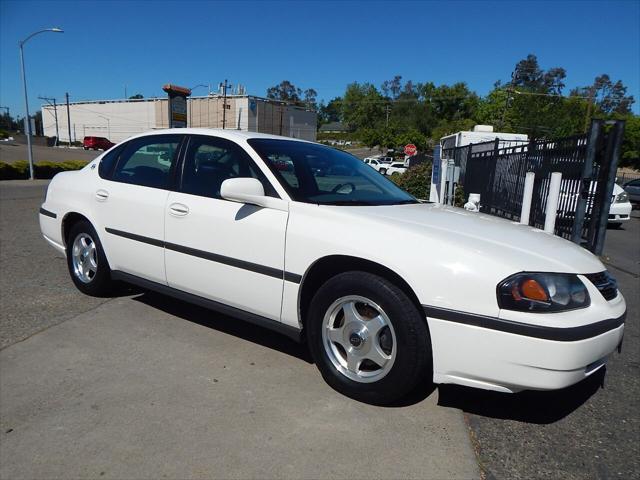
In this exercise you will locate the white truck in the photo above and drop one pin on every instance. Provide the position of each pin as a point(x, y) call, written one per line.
point(441, 165)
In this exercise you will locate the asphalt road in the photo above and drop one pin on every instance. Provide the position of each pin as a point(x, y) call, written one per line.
point(581, 432)
point(141, 386)
point(13, 152)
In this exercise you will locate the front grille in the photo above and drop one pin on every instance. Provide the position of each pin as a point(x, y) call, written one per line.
point(605, 284)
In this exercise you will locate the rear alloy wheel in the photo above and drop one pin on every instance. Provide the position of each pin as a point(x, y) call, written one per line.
point(383, 171)
point(367, 338)
point(87, 263)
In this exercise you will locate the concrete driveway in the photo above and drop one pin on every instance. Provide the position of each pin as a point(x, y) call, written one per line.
point(142, 386)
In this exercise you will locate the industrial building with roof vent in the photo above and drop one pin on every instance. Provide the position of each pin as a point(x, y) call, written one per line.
point(118, 120)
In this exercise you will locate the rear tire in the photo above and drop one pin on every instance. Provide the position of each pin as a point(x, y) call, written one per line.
point(87, 263)
point(383, 171)
point(367, 338)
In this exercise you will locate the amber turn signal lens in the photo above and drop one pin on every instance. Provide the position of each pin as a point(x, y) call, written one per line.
point(532, 290)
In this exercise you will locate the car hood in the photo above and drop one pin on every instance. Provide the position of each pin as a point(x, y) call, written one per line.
point(520, 246)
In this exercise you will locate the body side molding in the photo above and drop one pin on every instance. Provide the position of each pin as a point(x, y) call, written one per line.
point(569, 334)
point(47, 213)
point(213, 257)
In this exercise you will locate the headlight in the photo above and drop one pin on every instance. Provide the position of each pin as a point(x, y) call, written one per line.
point(622, 197)
point(542, 292)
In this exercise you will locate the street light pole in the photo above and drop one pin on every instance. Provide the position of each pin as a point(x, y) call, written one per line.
point(108, 125)
point(26, 99)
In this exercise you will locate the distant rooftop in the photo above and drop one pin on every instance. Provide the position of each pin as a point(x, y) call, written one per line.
point(333, 127)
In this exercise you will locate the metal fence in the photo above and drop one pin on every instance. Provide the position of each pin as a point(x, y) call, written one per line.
point(588, 166)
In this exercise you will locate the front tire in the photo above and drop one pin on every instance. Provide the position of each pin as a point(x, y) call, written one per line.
point(87, 263)
point(367, 338)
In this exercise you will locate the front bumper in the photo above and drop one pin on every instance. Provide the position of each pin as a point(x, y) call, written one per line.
point(508, 356)
point(620, 212)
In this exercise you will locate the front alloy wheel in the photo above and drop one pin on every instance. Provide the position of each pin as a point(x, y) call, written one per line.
point(368, 338)
point(359, 339)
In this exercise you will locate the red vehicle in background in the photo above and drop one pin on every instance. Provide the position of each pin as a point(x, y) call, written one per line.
point(97, 143)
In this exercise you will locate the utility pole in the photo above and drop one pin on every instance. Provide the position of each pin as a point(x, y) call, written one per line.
point(589, 108)
point(68, 117)
point(224, 104)
point(387, 108)
point(55, 114)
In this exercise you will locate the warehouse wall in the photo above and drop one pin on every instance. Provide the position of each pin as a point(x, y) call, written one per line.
point(126, 118)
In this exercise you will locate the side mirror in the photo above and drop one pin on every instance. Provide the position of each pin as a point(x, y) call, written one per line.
point(250, 190)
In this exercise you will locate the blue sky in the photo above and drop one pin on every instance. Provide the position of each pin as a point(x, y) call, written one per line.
point(323, 45)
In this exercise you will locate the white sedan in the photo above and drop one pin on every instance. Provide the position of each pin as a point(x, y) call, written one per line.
point(212, 217)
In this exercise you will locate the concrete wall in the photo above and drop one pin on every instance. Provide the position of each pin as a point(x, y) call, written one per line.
point(126, 118)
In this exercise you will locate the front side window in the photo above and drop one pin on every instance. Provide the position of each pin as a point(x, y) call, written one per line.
point(147, 161)
point(313, 173)
point(210, 161)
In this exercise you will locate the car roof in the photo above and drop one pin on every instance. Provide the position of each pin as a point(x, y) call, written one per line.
point(218, 132)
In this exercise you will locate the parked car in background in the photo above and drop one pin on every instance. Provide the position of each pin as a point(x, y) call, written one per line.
point(97, 143)
point(210, 217)
point(633, 190)
point(620, 210)
point(380, 164)
point(396, 168)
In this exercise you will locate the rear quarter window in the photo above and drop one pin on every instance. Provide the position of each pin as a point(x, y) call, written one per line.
point(108, 161)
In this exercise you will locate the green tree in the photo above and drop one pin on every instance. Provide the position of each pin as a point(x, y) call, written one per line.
point(631, 143)
point(362, 106)
point(331, 111)
point(609, 97)
point(285, 91)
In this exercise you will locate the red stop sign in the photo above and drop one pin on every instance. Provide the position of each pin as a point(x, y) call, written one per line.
point(410, 150)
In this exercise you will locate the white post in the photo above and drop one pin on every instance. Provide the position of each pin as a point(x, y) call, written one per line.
point(552, 202)
point(526, 198)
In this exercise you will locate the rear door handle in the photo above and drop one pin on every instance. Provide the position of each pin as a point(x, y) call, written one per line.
point(102, 195)
point(178, 209)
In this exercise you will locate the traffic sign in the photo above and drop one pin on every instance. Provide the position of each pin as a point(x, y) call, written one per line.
point(410, 150)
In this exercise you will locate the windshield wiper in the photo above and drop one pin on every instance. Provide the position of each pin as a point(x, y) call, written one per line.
point(405, 202)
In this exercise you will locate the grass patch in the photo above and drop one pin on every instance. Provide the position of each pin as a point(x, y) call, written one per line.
point(44, 170)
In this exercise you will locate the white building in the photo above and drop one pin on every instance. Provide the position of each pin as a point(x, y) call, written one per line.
point(118, 120)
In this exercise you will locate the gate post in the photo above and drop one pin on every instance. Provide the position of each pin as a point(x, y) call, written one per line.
point(585, 183)
point(492, 175)
point(608, 174)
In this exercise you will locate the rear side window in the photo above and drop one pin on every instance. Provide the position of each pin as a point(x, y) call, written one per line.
point(105, 169)
point(148, 161)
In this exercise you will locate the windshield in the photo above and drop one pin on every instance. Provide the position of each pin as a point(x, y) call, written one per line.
point(313, 173)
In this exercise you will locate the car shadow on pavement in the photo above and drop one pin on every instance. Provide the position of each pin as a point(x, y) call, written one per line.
point(528, 406)
point(231, 326)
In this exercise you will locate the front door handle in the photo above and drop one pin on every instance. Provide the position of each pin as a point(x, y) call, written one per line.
point(178, 209)
point(102, 195)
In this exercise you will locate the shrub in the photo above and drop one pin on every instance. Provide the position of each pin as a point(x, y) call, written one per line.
point(416, 180)
point(44, 170)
